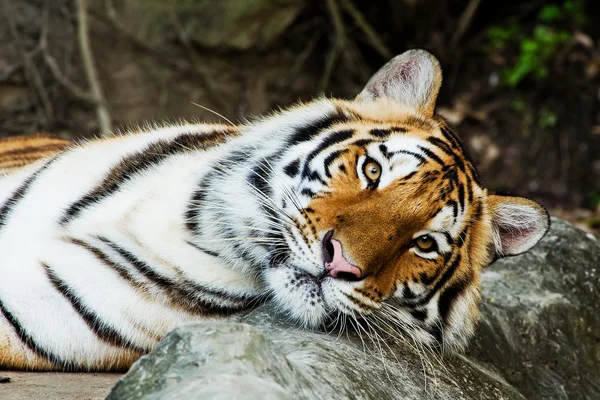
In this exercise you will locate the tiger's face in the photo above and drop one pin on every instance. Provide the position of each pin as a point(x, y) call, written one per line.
point(387, 220)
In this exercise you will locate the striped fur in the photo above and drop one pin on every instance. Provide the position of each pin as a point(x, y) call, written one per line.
point(106, 246)
point(15, 152)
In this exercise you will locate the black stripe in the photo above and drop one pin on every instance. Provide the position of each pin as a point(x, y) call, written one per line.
point(449, 238)
point(451, 137)
point(380, 132)
point(445, 277)
point(448, 150)
point(441, 145)
point(331, 140)
point(135, 163)
point(431, 155)
point(18, 194)
point(292, 168)
point(361, 142)
point(195, 205)
point(448, 273)
point(478, 208)
point(105, 259)
point(469, 191)
point(420, 315)
point(313, 129)
point(407, 293)
point(461, 197)
point(331, 158)
point(454, 206)
point(356, 302)
point(307, 192)
point(210, 253)
point(184, 292)
point(435, 213)
point(449, 296)
point(407, 177)
point(26, 338)
point(426, 279)
point(102, 330)
point(259, 177)
point(390, 155)
point(315, 177)
point(199, 196)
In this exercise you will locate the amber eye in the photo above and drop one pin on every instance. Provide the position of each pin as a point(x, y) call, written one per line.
point(426, 243)
point(372, 170)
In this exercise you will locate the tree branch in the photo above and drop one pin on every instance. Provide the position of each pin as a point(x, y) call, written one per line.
point(31, 72)
point(465, 21)
point(367, 29)
point(104, 119)
point(55, 69)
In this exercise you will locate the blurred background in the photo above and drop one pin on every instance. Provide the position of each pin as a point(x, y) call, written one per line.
point(521, 77)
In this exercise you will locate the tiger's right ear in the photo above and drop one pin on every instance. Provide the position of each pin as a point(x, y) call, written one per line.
point(517, 224)
point(412, 78)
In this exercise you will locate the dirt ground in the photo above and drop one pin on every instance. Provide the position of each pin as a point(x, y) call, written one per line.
point(55, 386)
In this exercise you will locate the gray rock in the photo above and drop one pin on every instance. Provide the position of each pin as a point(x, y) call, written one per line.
point(539, 333)
point(227, 360)
point(540, 323)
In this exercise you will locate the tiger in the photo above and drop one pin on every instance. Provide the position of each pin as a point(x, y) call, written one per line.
point(331, 210)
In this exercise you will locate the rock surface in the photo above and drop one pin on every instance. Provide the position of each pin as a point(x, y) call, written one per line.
point(540, 321)
point(538, 338)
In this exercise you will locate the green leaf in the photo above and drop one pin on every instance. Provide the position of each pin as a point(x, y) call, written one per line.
point(550, 13)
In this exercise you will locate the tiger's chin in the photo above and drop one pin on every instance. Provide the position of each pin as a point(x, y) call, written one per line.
point(299, 294)
point(319, 302)
point(309, 300)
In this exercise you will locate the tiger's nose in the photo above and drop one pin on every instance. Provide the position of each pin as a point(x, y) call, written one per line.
point(336, 265)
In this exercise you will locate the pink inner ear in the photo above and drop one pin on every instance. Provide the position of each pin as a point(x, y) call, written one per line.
point(405, 71)
point(513, 239)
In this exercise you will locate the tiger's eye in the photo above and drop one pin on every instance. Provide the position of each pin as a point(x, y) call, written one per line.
point(425, 243)
point(372, 170)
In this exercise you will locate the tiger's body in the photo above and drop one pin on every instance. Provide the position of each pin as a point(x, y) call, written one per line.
point(359, 208)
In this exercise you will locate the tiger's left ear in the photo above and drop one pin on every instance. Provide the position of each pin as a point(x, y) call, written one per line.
point(518, 224)
point(412, 78)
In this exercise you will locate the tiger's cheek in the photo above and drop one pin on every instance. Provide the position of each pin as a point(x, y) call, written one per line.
point(406, 276)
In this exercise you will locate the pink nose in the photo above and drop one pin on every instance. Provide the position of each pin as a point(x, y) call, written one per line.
point(336, 264)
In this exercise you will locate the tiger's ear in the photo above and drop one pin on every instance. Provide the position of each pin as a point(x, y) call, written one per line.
point(412, 78)
point(518, 224)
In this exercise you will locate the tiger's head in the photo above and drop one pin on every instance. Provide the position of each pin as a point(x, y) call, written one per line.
point(386, 217)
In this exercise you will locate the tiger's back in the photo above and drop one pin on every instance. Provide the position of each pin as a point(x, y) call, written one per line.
point(16, 152)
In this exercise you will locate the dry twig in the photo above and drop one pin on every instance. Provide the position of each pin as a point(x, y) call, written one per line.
point(367, 29)
point(303, 56)
point(55, 69)
point(104, 119)
point(342, 43)
point(31, 72)
point(464, 22)
point(330, 61)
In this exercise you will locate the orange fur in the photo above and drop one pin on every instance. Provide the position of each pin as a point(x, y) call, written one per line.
point(18, 151)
